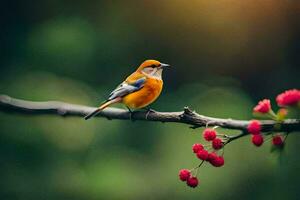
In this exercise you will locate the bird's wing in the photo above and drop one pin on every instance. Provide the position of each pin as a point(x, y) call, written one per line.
point(127, 87)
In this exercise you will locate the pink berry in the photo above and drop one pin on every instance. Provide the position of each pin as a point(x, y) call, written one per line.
point(254, 127)
point(288, 98)
point(202, 154)
point(263, 106)
point(184, 174)
point(217, 143)
point(209, 134)
point(192, 182)
point(277, 141)
point(257, 140)
point(197, 147)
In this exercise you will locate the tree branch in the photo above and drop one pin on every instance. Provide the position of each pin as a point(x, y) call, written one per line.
point(187, 116)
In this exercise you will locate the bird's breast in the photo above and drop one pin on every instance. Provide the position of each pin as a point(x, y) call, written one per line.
point(146, 95)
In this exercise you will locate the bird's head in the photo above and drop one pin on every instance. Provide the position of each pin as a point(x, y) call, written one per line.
point(152, 68)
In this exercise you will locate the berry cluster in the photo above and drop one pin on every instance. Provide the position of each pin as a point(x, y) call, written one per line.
point(203, 154)
point(210, 152)
point(285, 100)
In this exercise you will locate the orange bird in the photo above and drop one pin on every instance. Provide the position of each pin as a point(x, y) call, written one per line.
point(139, 89)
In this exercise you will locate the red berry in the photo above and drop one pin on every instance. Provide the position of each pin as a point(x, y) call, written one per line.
point(218, 162)
point(197, 147)
point(202, 154)
point(254, 127)
point(288, 98)
point(263, 106)
point(211, 156)
point(192, 182)
point(257, 140)
point(184, 174)
point(209, 134)
point(277, 140)
point(217, 143)
point(215, 160)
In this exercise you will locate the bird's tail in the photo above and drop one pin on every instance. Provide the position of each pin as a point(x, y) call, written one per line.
point(102, 107)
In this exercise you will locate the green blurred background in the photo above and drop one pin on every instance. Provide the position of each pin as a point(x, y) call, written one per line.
point(226, 55)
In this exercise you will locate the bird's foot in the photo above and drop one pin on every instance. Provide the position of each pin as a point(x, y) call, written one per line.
point(149, 110)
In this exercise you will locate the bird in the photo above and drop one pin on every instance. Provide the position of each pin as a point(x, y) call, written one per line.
point(139, 89)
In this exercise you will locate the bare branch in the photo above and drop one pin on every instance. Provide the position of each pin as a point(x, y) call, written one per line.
point(187, 116)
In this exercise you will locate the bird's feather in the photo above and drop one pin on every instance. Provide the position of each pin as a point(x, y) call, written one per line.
point(127, 87)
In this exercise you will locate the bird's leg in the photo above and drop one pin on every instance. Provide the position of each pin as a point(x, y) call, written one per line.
point(130, 113)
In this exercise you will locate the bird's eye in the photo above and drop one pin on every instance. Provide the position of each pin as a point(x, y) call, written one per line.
point(153, 66)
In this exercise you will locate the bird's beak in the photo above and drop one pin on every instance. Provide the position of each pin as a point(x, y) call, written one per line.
point(164, 65)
